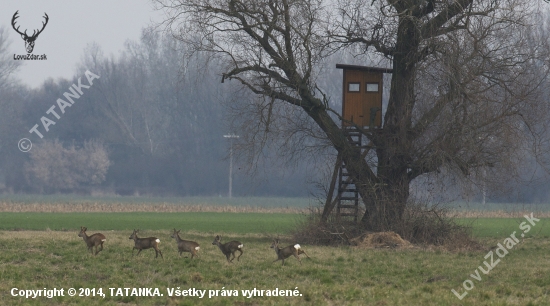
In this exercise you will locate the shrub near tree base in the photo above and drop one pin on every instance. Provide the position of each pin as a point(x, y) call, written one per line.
point(421, 225)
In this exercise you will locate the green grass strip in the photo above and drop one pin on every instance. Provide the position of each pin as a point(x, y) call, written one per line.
point(241, 223)
point(502, 227)
point(211, 222)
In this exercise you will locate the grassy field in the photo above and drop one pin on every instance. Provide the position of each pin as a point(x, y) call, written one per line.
point(32, 260)
point(207, 222)
point(499, 227)
point(212, 222)
point(42, 251)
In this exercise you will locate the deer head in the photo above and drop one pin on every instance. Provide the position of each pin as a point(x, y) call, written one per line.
point(29, 40)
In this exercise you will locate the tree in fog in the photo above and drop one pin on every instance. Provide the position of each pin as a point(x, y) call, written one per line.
point(463, 93)
point(10, 92)
point(54, 168)
point(7, 64)
point(160, 116)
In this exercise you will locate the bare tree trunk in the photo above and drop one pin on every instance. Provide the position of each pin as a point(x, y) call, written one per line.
point(390, 193)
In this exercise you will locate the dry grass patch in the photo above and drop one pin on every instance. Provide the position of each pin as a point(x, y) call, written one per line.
point(381, 240)
point(142, 207)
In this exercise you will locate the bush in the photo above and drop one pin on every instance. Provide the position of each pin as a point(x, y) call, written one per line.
point(434, 225)
point(420, 225)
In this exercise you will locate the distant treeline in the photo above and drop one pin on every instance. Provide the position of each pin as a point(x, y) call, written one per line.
point(152, 123)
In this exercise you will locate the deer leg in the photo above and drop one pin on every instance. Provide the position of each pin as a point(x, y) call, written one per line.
point(139, 251)
point(239, 254)
point(298, 257)
point(302, 251)
point(156, 249)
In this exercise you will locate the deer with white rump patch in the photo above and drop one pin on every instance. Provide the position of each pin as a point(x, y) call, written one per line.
point(145, 243)
point(284, 253)
point(95, 240)
point(229, 248)
point(185, 245)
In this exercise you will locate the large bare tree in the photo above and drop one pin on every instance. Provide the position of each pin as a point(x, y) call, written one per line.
point(463, 92)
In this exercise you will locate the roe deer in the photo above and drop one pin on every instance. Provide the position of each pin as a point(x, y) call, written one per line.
point(145, 243)
point(92, 241)
point(185, 245)
point(229, 248)
point(284, 253)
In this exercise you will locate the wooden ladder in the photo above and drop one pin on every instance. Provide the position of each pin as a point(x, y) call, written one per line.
point(348, 196)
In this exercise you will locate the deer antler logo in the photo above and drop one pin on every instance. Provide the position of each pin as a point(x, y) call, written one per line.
point(29, 40)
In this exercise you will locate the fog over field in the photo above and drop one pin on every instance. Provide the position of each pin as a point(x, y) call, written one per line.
point(163, 137)
point(143, 113)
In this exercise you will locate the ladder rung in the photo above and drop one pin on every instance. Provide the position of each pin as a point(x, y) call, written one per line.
point(348, 198)
point(346, 206)
point(353, 130)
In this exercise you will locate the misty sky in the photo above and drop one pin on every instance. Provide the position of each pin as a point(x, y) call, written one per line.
point(72, 26)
